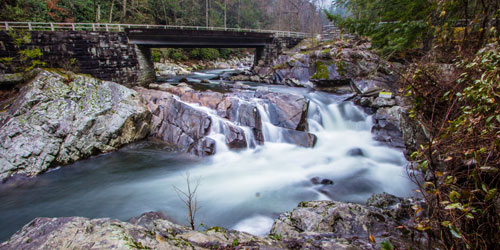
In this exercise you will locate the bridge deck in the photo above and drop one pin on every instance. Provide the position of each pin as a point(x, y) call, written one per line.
point(115, 27)
point(174, 38)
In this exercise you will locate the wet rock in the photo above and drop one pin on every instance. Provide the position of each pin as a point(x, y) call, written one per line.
point(355, 152)
point(59, 119)
point(203, 147)
point(168, 68)
point(241, 77)
point(287, 110)
point(318, 180)
point(387, 126)
point(383, 200)
point(299, 138)
point(178, 123)
point(380, 102)
point(235, 137)
point(392, 206)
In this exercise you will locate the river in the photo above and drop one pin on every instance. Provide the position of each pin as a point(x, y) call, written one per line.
point(244, 190)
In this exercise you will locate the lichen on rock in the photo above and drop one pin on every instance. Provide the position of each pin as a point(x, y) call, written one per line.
point(59, 119)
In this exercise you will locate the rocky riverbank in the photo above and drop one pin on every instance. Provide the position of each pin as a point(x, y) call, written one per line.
point(61, 118)
point(384, 221)
point(348, 66)
point(168, 68)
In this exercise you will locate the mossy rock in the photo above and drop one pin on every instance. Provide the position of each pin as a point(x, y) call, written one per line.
point(321, 71)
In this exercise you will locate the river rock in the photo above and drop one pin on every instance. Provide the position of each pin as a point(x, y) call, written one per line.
point(322, 225)
point(178, 123)
point(286, 110)
point(58, 119)
point(235, 137)
point(386, 128)
point(338, 225)
point(339, 67)
point(300, 138)
point(355, 152)
point(168, 68)
point(380, 102)
point(149, 231)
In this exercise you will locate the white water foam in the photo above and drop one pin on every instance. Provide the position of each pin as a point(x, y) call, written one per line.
point(274, 177)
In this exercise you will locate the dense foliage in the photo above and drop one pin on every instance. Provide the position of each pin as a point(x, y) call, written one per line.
point(294, 15)
point(195, 54)
point(454, 82)
point(396, 26)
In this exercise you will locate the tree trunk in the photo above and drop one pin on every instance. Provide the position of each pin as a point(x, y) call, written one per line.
point(124, 10)
point(111, 11)
point(206, 13)
point(225, 14)
point(239, 10)
point(98, 12)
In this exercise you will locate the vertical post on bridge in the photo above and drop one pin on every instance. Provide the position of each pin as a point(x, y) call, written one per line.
point(29, 26)
point(52, 26)
point(73, 26)
point(6, 26)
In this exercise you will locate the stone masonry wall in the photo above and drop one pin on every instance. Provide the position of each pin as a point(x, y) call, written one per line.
point(271, 51)
point(105, 55)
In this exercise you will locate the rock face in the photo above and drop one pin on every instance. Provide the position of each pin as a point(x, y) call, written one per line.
point(178, 123)
point(59, 119)
point(349, 66)
point(149, 231)
point(190, 119)
point(338, 225)
point(322, 225)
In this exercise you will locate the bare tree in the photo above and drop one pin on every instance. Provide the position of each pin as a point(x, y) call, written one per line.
point(189, 199)
point(206, 12)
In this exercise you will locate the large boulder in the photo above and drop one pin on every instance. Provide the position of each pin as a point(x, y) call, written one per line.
point(178, 123)
point(232, 110)
point(149, 231)
point(339, 225)
point(58, 119)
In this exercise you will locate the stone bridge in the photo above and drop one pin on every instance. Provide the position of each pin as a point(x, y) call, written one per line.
point(122, 52)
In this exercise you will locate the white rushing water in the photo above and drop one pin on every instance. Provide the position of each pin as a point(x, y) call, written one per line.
point(244, 190)
point(252, 186)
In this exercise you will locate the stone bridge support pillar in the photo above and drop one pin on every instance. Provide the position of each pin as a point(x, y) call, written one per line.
point(264, 56)
point(260, 55)
point(147, 72)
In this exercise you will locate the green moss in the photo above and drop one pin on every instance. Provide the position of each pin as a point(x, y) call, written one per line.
point(280, 66)
point(134, 244)
point(217, 230)
point(277, 237)
point(341, 67)
point(321, 71)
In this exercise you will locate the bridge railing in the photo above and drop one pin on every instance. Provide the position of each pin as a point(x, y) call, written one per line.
point(114, 27)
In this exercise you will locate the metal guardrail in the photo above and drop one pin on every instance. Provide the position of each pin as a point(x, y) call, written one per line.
point(114, 27)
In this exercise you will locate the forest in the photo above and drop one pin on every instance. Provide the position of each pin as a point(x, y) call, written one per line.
point(450, 55)
point(289, 15)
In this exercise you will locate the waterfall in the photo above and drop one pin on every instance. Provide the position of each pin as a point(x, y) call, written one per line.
point(241, 189)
